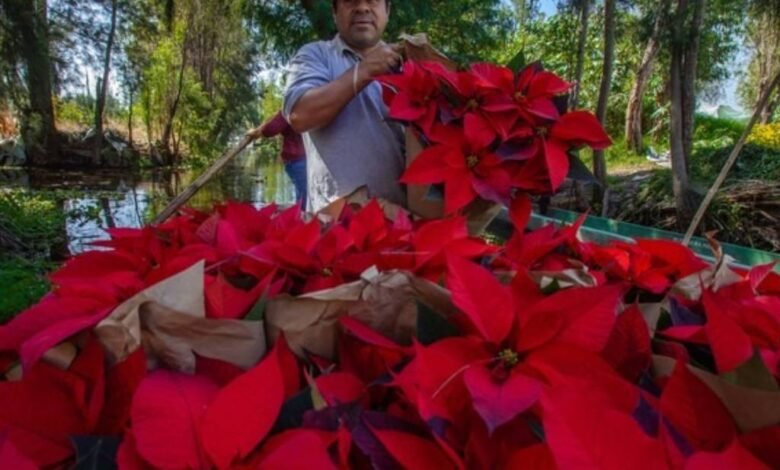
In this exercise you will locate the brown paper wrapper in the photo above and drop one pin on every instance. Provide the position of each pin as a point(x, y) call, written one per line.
point(356, 200)
point(751, 408)
point(387, 302)
point(168, 320)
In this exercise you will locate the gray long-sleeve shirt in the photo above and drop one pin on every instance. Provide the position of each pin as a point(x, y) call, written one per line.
point(361, 146)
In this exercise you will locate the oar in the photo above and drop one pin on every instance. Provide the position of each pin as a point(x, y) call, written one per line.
point(185, 196)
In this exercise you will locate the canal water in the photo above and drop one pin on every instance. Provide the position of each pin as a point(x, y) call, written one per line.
point(97, 200)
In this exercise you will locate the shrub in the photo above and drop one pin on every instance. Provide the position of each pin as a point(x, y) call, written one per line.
point(711, 128)
point(766, 135)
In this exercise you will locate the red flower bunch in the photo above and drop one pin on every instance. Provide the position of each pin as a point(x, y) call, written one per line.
point(489, 131)
point(556, 353)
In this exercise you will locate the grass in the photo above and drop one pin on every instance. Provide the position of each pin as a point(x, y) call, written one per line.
point(619, 159)
point(36, 219)
point(22, 283)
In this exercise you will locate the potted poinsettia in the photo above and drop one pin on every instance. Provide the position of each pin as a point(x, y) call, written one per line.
point(485, 133)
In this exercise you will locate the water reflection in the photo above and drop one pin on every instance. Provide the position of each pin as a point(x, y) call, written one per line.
point(110, 199)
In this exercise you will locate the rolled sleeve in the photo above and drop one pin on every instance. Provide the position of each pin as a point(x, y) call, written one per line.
point(277, 125)
point(308, 69)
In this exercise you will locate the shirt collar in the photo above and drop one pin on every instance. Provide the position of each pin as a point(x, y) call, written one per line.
point(341, 46)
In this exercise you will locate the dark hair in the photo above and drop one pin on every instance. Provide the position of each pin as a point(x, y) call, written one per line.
point(335, 2)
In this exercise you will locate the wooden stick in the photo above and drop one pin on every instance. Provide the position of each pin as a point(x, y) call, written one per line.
point(705, 204)
point(185, 196)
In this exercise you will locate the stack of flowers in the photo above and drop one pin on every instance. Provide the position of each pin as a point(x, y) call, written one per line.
point(490, 133)
point(555, 354)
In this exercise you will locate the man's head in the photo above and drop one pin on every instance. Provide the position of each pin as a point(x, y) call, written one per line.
point(360, 23)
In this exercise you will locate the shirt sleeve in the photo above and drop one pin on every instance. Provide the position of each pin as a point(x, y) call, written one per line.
point(274, 126)
point(308, 69)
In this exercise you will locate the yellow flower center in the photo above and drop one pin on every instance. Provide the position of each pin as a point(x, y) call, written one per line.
point(472, 161)
point(509, 358)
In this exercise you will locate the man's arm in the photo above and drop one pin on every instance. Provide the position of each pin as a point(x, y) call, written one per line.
point(319, 106)
point(275, 126)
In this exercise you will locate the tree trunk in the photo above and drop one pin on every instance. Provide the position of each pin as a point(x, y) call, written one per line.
point(29, 28)
point(689, 71)
point(766, 40)
point(130, 118)
point(574, 97)
point(680, 183)
point(599, 163)
point(100, 103)
point(769, 111)
point(634, 109)
point(168, 129)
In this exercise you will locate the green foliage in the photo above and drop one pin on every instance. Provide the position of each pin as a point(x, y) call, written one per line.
point(766, 135)
point(22, 283)
point(209, 48)
point(74, 110)
point(465, 30)
point(716, 137)
point(37, 221)
point(35, 218)
point(754, 162)
point(720, 131)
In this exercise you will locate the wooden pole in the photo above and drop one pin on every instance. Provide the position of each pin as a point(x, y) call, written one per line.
point(190, 191)
point(730, 162)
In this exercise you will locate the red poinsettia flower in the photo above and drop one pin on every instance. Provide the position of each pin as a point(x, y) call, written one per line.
point(734, 328)
point(534, 91)
point(435, 240)
point(464, 163)
point(477, 95)
point(652, 265)
point(492, 365)
point(417, 92)
point(549, 145)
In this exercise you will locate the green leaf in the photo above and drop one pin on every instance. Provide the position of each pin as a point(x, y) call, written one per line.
point(432, 326)
point(551, 288)
point(517, 62)
point(258, 311)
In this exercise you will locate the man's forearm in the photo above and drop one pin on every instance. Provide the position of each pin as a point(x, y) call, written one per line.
point(319, 106)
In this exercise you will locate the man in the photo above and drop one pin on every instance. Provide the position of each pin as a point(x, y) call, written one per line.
point(292, 154)
point(333, 101)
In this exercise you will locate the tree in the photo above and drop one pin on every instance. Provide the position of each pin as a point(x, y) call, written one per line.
point(633, 127)
point(29, 32)
point(100, 102)
point(582, 7)
point(770, 9)
point(599, 163)
point(763, 35)
point(682, 73)
point(197, 82)
point(465, 30)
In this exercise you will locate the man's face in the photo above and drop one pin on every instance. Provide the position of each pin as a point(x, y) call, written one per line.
point(361, 22)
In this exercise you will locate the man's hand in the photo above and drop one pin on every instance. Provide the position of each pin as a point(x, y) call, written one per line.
point(381, 60)
point(319, 106)
point(255, 133)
